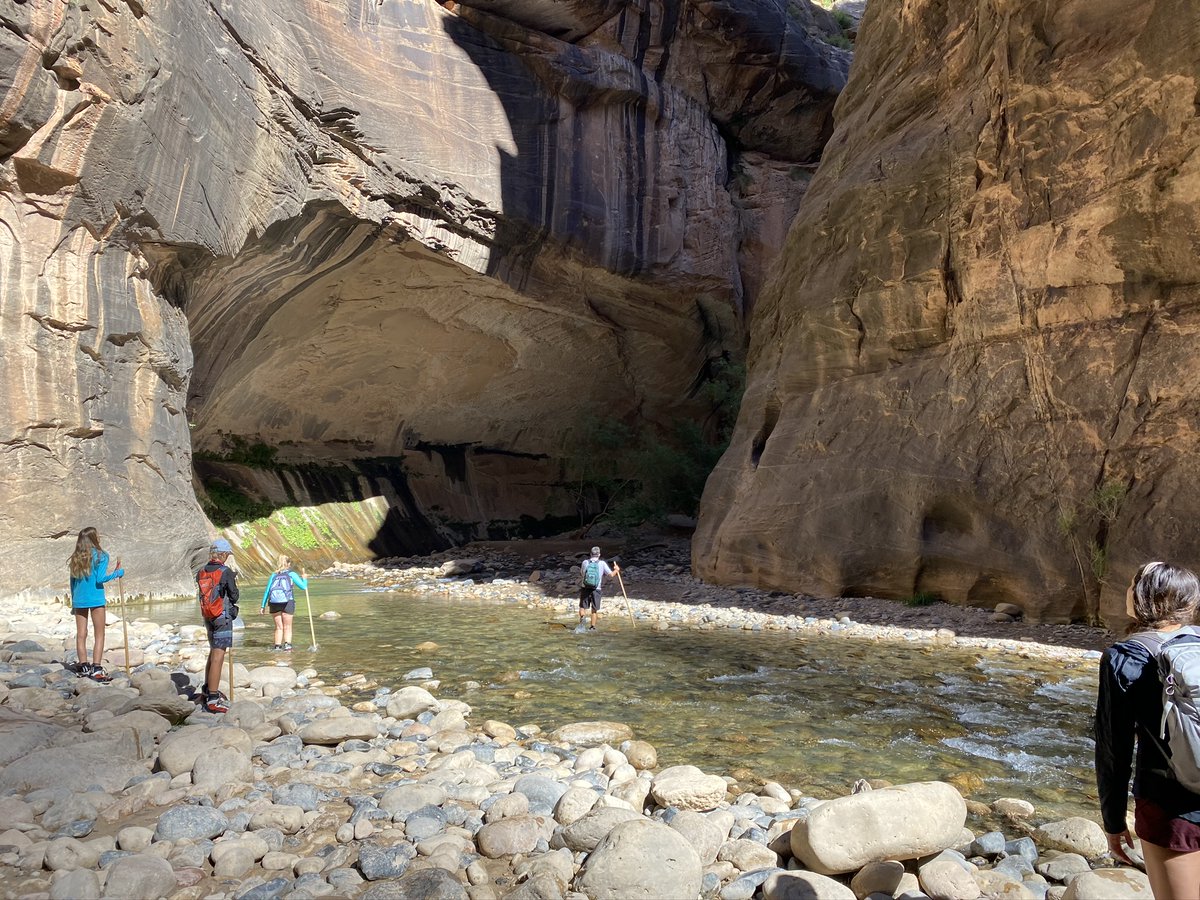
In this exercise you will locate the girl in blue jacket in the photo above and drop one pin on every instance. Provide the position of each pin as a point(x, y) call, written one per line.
point(89, 572)
point(279, 595)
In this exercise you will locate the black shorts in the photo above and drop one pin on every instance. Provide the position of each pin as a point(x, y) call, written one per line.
point(589, 598)
point(220, 632)
point(289, 607)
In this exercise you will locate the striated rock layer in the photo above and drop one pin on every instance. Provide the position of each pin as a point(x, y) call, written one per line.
point(973, 373)
point(385, 232)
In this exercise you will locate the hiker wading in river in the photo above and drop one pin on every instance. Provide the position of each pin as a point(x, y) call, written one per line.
point(282, 600)
point(593, 571)
point(1162, 600)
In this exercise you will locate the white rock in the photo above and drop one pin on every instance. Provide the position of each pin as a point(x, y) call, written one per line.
point(944, 879)
point(1073, 835)
point(641, 858)
point(410, 702)
point(1110, 884)
point(804, 886)
point(901, 822)
point(686, 787)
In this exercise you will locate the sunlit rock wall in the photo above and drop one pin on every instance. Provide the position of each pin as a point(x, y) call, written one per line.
point(355, 230)
point(973, 374)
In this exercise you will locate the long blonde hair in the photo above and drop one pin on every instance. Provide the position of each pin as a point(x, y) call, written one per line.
point(285, 563)
point(80, 563)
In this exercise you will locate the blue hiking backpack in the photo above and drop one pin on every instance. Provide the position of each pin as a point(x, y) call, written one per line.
point(591, 574)
point(281, 589)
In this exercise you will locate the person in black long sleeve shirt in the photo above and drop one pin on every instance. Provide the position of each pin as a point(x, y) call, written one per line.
point(1162, 598)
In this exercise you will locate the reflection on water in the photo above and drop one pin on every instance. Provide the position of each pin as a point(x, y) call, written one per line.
point(810, 712)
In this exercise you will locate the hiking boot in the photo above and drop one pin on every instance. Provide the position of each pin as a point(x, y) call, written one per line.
point(82, 670)
point(277, 646)
point(216, 703)
point(98, 674)
point(287, 648)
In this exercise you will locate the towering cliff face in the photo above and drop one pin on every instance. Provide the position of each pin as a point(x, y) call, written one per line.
point(973, 374)
point(441, 236)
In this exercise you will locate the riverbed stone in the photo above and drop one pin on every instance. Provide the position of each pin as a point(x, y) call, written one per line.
point(687, 787)
point(588, 831)
point(297, 793)
point(510, 836)
point(103, 760)
point(747, 855)
point(377, 861)
point(281, 677)
point(194, 823)
point(335, 729)
point(800, 885)
point(944, 879)
point(881, 877)
point(1073, 835)
point(641, 858)
point(640, 754)
point(543, 793)
point(134, 838)
point(574, 804)
point(287, 819)
point(1111, 884)
point(1062, 867)
point(900, 822)
point(419, 884)
point(508, 805)
point(143, 875)
point(593, 734)
point(703, 833)
point(408, 798)
point(180, 749)
point(67, 853)
point(220, 766)
point(80, 884)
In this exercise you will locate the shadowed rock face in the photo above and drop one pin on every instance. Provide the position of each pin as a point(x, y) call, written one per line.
point(973, 373)
point(365, 231)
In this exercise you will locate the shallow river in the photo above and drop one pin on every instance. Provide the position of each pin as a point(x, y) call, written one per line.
point(814, 713)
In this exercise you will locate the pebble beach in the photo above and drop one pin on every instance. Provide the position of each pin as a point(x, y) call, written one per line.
point(302, 790)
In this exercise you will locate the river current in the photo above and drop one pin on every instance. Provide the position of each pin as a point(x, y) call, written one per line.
point(811, 712)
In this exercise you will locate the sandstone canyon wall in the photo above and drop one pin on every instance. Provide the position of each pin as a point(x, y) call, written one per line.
point(973, 374)
point(432, 240)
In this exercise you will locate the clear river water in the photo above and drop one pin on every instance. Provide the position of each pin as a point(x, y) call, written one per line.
point(811, 712)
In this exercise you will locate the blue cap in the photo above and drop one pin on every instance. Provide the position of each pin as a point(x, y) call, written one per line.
point(220, 545)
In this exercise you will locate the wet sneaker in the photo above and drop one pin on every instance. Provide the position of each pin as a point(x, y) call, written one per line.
point(287, 648)
point(216, 703)
point(98, 674)
point(593, 628)
point(277, 646)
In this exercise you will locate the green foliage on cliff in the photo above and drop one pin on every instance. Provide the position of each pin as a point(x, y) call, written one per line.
point(226, 505)
point(257, 455)
point(295, 529)
point(645, 475)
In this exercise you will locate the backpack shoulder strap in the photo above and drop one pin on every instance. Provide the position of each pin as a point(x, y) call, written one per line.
point(1150, 640)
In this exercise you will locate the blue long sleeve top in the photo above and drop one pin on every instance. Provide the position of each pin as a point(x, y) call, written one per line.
point(88, 592)
point(296, 580)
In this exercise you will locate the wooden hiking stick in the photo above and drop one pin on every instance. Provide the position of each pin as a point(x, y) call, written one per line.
point(308, 603)
point(124, 623)
point(621, 582)
point(229, 654)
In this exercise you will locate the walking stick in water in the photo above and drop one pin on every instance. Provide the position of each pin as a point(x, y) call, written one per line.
point(124, 623)
point(621, 582)
point(229, 654)
point(308, 602)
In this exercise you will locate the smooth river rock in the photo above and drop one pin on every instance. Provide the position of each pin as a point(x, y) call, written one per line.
point(641, 860)
point(901, 822)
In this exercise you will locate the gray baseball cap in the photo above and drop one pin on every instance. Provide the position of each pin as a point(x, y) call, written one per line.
point(595, 552)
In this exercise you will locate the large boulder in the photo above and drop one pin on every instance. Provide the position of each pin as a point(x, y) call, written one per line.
point(335, 729)
point(179, 749)
point(1111, 884)
point(409, 702)
point(587, 832)
point(641, 860)
point(901, 822)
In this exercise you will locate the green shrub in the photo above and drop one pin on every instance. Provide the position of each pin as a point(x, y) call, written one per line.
point(921, 598)
point(225, 505)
